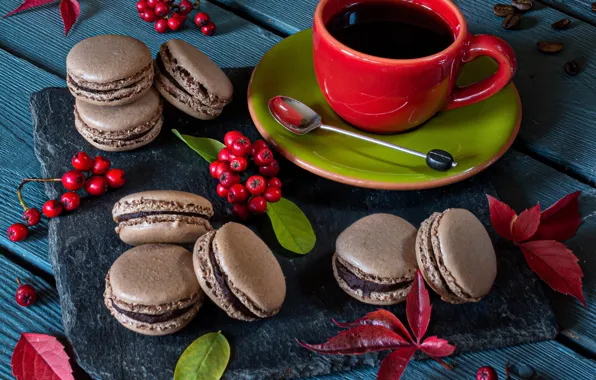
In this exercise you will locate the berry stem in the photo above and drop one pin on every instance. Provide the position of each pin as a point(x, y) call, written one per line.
point(445, 365)
point(198, 4)
point(19, 281)
point(26, 180)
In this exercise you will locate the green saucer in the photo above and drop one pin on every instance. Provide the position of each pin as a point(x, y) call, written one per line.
point(476, 135)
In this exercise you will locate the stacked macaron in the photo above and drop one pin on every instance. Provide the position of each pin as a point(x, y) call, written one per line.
point(111, 77)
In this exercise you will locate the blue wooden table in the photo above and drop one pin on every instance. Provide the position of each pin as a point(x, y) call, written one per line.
point(555, 153)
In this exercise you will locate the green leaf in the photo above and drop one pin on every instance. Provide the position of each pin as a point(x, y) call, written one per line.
point(205, 359)
point(291, 226)
point(204, 146)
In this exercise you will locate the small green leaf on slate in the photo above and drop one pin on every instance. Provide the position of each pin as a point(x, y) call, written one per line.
point(291, 226)
point(205, 359)
point(204, 146)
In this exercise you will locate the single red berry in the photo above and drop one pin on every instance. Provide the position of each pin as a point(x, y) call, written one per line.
point(149, 15)
point(161, 9)
point(238, 194)
point(272, 194)
point(202, 19)
point(264, 157)
point(141, 6)
point(222, 191)
point(32, 216)
point(222, 167)
point(26, 294)
point(96, 186)
point(240, 210)
point(256, 184)
point(274, 182)
point(116, 178)
point(209, 29)
point(152, 3)
point(175, 22)
point(185, 7)
point(238, 164)
point(486, 373)
point(230, 137)
point(82, 161)
point(17, 232)
point(257, 205)
point(70, 201)
point(241, 147)
point(213, 169)
point(257, 146)
point(161, 25)
point(227, 178)
point(52, 208)
point(224, 154)
point(73, 180)
point(101, 165)
point(270, 170)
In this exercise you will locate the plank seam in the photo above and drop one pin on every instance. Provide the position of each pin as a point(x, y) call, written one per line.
point(250, 18)
point(28, 266)
point(568, 12)
point(28, 60)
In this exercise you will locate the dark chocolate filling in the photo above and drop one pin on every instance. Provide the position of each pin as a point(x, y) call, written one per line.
point(152, 318)
point(95, 91)
point(355, 282)
point(220, 277)
point(169, 76)
point(141, 214)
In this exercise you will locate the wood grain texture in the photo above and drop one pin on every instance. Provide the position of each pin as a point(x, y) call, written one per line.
point(557, 122)
point(18, 80)
point(581, 9)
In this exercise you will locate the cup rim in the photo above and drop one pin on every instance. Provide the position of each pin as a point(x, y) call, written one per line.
point(320, 26)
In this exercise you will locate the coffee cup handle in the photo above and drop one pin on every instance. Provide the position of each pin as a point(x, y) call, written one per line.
point(494, 47)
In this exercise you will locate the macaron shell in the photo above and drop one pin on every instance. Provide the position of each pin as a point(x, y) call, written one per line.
point(162, 200)
point(465, 254)
point(153, 275)
point(381, 246)
point(113, 97)
point(175, 229)
point(107, 58)
point(253, 273)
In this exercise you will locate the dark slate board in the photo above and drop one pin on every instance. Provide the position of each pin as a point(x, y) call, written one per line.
point(83, 246)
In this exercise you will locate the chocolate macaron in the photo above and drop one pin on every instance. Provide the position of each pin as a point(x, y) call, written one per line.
point(162, 216)
point(120, 128)
point(190, 81)
point(374, 259)
point(109, 70)
point(239, 273)
point(456, 256)
point(152, 289)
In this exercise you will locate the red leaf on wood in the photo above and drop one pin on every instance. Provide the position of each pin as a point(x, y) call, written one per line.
point(394, 365)
point(381, 317)
point(436, 347)
point(40, 357)
point(69, 11)
point(556, 265)
point(28, 4)
point(561, 220)
point(526, 224)
point(418, 307)
point(359, 340)
point(501, 217)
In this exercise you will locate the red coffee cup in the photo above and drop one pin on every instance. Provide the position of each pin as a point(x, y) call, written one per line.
point(392, 95)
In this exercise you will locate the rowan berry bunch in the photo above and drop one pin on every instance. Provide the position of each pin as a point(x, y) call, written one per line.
point(93, 175)
point(248, 193)
point(167, 15)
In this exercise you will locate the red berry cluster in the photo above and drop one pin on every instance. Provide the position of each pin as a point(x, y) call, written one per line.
point(252, 194)
point(99, 178)
point(170, 16)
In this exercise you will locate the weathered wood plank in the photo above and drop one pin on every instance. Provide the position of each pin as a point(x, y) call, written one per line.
point(37, 32)
point(17, 160)
point(581, 9)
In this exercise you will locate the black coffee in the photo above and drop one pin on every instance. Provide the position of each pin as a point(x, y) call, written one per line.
point(397, 30)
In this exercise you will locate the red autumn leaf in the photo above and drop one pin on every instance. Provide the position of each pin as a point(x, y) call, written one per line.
point(28, 4)
point(380, 317)
point(501, 217)
point(394, 365)
point(418, 307)
point(561, 220)
point(556, 265)
point(436, 347)
point(359, 340)
point(526, 224)
point(69, 11)
point(40, 357)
